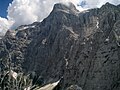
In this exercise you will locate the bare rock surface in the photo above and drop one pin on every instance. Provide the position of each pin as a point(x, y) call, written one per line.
point(81, 47)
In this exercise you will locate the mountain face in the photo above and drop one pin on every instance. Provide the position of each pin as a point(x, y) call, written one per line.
point(80, 48)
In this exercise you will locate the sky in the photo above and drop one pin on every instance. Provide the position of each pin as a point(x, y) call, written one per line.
point(3, 7)
point(14, 13)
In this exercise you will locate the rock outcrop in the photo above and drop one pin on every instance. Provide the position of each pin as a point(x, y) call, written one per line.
point(82, 48)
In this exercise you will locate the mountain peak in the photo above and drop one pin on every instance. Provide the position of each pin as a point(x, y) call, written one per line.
point(68, 6)
point(108, 6)
point(118, 5)
point(107, 3)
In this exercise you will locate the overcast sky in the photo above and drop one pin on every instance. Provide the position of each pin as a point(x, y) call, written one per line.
point(22, 12)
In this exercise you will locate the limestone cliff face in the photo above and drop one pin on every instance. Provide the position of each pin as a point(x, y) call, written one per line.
point(82, 48)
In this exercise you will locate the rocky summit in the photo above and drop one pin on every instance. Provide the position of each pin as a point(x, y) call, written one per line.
point(79, 49)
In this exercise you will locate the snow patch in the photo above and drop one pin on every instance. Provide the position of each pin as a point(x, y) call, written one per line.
point(73, 34)
point(97, 25)
point(23, 28)
point(87, 38)
point(28, 88)
point(107, 39)
point(0, 37)
point(26, 27)
point(50, 86)
point(44, 41)
point(66, 60)
point(32, 26)
point(13, 74)
point(83, 43)
point(85, 11)
point(91, 42)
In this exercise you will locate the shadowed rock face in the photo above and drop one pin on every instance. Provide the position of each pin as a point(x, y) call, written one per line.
point(81, 47)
